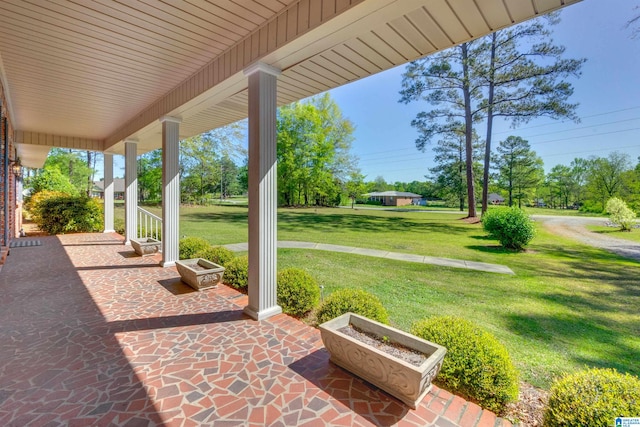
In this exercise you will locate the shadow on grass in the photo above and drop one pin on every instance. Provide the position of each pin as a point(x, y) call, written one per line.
point(337, 222)
point(590, 344)
point(493, 249)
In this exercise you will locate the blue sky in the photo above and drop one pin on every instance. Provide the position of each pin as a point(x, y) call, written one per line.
point(608, 93)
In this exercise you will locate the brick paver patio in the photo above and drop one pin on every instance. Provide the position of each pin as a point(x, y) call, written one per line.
point(92, 335)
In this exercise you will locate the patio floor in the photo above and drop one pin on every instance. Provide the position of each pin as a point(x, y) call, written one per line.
point(92, 335)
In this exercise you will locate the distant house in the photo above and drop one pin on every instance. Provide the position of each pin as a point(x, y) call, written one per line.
point(495, 199)
point(118, 189)
point(395, 198)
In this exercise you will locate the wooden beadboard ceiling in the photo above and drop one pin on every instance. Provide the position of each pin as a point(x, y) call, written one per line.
point(86, 68)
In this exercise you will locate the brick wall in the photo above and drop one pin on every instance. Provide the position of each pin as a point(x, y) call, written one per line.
point(8, 180)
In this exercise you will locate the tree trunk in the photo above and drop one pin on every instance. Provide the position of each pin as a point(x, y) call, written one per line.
point(468, 133)
point(487, 149)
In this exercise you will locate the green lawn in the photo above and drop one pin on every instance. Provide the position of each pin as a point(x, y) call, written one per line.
point(568, 306)
point(633, 235)
point(559, 212)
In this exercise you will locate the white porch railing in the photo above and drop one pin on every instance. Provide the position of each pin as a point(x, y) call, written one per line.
point(149, 225)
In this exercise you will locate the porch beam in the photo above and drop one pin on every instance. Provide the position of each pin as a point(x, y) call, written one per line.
point(108, 192)
point(131, 190)
point(263, 226)
point(170, 189)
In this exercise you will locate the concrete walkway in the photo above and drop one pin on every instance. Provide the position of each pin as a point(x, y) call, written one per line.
point(445, 262)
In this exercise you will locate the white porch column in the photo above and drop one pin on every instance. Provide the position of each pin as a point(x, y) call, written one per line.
point(170, 190)
point(108, 192)
point(263, 198)
point(130, 190)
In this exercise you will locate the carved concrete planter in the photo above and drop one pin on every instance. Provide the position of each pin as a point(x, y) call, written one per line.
point(200, 273)
point(407, 382)
point(146, 246)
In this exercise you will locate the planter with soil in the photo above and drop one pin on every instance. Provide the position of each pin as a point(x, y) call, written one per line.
point(200, 273)
point(146, 246)
point(399, 363)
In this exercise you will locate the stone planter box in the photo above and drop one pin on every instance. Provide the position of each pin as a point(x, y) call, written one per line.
point(407, 382)
point(200, 273)
point(146, 246)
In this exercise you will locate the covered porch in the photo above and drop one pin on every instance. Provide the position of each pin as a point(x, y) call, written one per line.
point(94, 335)
point(125, 78)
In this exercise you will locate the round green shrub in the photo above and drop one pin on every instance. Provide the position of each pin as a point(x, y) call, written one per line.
point(217, 254)
point(593, 397)
point(355, 301)
point(189, 246)
point(298, 291)
point(476, 366)
point(510, 226)
point(236, 273)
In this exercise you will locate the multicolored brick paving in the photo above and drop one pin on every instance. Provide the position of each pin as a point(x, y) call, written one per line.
point(92, 335)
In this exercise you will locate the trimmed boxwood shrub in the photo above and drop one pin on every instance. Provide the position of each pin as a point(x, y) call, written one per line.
point(298, 291)
point(352, 300)
point(593, 397)
point(217, 254)
point(189, 246)
point(510, 226)
point(56, 213)
point(236, 273)
point(476, 366)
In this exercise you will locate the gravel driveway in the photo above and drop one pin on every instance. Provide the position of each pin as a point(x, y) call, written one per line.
point(575, 227)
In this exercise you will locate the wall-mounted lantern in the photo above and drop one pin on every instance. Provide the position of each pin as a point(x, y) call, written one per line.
point(16, 167)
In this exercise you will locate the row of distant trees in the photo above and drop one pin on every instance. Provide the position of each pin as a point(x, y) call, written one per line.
point(518, 174)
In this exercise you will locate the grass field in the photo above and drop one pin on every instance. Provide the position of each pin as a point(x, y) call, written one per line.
point(567, 307)
point(633, 235)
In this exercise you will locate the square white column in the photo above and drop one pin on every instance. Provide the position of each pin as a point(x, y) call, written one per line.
point(130, 190)
point(263, 198)
point(108, 192)
point(170, 190)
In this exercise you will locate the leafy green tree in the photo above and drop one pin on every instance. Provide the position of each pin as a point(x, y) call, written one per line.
point(562, 182)
point(579, 172)
point(355, 187)
point(314, 140)
point(631, 187)
point(426, 189)
point(201, 156)
point(605, 176)
point(150, 175)
point(243, 177)
point(228, 177)
point(379, 185)
point(519, 168)
point(525, 78)
point(73, 164)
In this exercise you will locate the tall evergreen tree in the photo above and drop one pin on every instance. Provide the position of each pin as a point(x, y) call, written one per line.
point(515, 73)
point(448, 80)
point(525, 74)
point(450, 171)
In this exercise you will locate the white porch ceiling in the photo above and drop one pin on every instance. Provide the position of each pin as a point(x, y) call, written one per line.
point(91, 73)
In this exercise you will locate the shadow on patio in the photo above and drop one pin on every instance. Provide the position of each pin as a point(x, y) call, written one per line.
point(93, 336)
